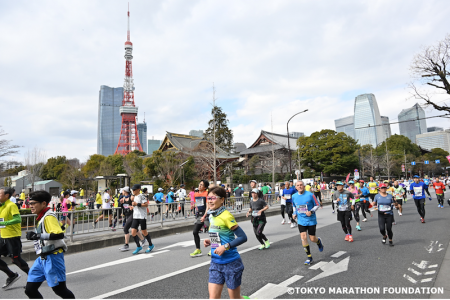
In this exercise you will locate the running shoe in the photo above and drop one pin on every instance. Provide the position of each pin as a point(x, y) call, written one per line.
point(11, 280)
point(320, 245)
point(267, 244)
point(292, 225)
point(137, 250)
point(422, 220)
point(383, 240)
point(282, 222)
point(94, 224)
point(150, 248)
point(124, 248)
point(394, 223)
point(143, 242)
point(391, 244)
point(209, 253)
point(262, 247)
point(400, 214)
point(289, 222)
point(196, 253)
point(429, 198)
point(346, 237)
point(364, 220)
point(333, 212)
point(358, 227)
point(309, 261)
point(439, 205)
point(245, 297)
point(350, 238)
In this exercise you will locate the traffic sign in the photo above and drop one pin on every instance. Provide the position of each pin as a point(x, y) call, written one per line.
point(413, 163)
point(297, 172)
point(427, 162)
point(437, 161)
point(403, 168)
point(356, 170)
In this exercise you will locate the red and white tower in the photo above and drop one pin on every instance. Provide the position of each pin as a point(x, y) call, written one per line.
point(129, 138)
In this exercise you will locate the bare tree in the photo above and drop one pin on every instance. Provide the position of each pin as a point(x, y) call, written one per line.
point(205, 157)
point(429, 67)
point(6, 148)
point(370, 161)
point(35, 159)
point(71, 174)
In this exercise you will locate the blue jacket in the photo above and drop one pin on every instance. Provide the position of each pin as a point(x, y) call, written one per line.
point(305, 202)
point(158, 197)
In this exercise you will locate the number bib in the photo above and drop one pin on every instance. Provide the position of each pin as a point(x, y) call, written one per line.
point(215, 239)
point(287, 196)
point(343, 207)
point(418, 191)
point(302, 209)
point(384, 207)
point(126, 206)
point(37, 247)
point(255, 213)
point(199, 201)
point(373, 188)
point(2, 220)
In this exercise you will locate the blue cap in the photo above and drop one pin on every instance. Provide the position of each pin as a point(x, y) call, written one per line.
point(416, 176)
point(339, 183)
point(351, 181)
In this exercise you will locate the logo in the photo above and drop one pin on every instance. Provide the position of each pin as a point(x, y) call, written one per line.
point(215, 227)
point(233, 221)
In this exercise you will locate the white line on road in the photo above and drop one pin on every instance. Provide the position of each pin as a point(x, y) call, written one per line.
point(426, 280)
point(120, 261)
point(429, 272)
point(291, 280)
point(409, 278)
point(272, 291)
point(414, 271)
point(422, 265)
point(432, 266)
point(318, 265)
point(337, 254)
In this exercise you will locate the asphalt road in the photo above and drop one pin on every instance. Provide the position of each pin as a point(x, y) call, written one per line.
point(169, 272)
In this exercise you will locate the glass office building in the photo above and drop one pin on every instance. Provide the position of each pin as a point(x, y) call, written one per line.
point(414, 127)
point(367, 114)
point(435, 128)
point(153, 145)
point(436, 139)
point(346, 126)
point(386, 127)
point(142, 133)
point(109, 119)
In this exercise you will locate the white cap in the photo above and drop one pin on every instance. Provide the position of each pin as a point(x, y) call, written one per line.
point(240, 185)
point(73, 192)
point(160, 189)
point(171, 188)
point(256, 191)
point(126, 189)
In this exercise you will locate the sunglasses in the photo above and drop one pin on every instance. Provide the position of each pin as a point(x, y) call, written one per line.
point(213, 198)
point(33, 203)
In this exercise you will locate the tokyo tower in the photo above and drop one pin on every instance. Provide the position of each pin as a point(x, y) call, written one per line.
point(129, 138)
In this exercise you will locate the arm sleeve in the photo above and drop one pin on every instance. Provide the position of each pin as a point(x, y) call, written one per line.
point(54, 231)
point(15, 220)
point(241, 237)
point(315, 203)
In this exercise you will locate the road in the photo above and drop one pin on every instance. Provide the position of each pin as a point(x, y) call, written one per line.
point(169, 272)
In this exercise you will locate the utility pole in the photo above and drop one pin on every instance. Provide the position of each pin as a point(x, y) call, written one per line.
point(387, 160)
point(273, 156)
point(371, 160)
point(214, 132)
point(404, 152)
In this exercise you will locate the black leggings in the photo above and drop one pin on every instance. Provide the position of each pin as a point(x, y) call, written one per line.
point(283, 207)
point(128, 223)
point(440, 199)
point(426, 191)
point(18, 261)
point(32, 290)
point(420, 204)
point(182, 208)
point(258, 230)
point(289, 211)
point(385, 223)
point(318, 197)
point(356, 211)
point(344, 217)
point(197, 228)
point(365, 208)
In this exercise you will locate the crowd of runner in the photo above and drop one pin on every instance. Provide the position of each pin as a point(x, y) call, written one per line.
point(300, 203)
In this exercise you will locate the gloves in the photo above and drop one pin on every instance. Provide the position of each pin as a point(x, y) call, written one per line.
point(31, 235)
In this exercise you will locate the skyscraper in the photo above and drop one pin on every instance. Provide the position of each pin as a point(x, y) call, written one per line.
point(142, 133)
point(346, 126)
point(109, 119)
point(414, 127)
point(386, 127)
point(367, 113)
point(435, 139)
point(153, 145)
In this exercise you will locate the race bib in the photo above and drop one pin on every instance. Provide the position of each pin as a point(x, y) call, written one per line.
point(2, 220)
point(200, 201)
point(343, 207)
point(398, 196)
point(389, 192)
point(255, 213)
point(37, 247)
point(384, 207)
point(126, 205)
point(418, 191)
point(215, 239)
point(287, 196)
point(373, 188)
point(302, 209)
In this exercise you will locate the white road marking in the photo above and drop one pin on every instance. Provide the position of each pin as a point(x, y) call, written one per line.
point(120, 261)
point(181, 244)
point(338, 254)
point(422, 265)
point(332, 268)
point(414, 271)
point(426, 280)
point(272, 291)
point(156, 279)
point(409, 278)
point(429, 272)
point(318, 265)
point(432, 266)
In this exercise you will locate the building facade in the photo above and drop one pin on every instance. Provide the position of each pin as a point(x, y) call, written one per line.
point(367, 114)
point(296, 134)
point(386, 127)
point(436, 139)
point(409, 125)
point(109, 119)
point(346, 126)
point(197, 133)
point(142, 133)
point(434, 128)
point(153, 145)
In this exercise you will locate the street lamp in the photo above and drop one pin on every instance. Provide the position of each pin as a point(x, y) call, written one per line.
point(289, 144)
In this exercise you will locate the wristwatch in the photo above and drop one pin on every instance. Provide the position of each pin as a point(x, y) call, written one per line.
point(227, 246)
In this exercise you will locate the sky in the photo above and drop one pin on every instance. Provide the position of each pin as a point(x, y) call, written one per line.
point(267, 59)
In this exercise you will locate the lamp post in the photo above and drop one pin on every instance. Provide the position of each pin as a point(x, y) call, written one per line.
point(289, 144)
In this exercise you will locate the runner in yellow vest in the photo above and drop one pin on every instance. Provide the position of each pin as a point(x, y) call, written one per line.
point(373, 188)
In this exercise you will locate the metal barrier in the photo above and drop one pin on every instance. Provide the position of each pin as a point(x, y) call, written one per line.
point(157, 214)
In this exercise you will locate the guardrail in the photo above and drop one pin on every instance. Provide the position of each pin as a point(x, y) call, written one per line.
point(156, 214)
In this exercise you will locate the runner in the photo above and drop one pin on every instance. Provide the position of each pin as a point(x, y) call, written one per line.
point(257, 208)
point(439, 188)
point(342, 198)
point(159, 198)
point(317, 192)
point(287, 195)
point(333, 189)
point(282, 202)
point(427, 183)
point(200, 216)
point(65, 206)
point(98, 200)
point(127, 206)
point(239, 194)
point(107, 211)
point(10, 243)
point(417, 189)
point(50, 247)
point(373, 188)
point(356, 192)
point(226, 263)
point(364, 200)
point(140, 204)
point(170, 203)
point(306, 205)
point(385, 202)
point(181, 194)
point(399, 193)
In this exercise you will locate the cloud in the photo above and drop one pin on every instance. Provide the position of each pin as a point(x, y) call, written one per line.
point(264, 57)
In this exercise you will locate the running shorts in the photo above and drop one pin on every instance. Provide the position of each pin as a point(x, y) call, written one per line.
point(230, 273)
point(399, 202)
point(10, 246)
point(372, 196)
point(311, 229)
point(198, 218)
point(107, 212)
point(141, 222)
point(51, 269)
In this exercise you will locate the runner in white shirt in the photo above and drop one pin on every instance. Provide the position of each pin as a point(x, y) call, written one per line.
point(140, 204)
point(282, 202)
point(181, 197)
point(107, 211)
